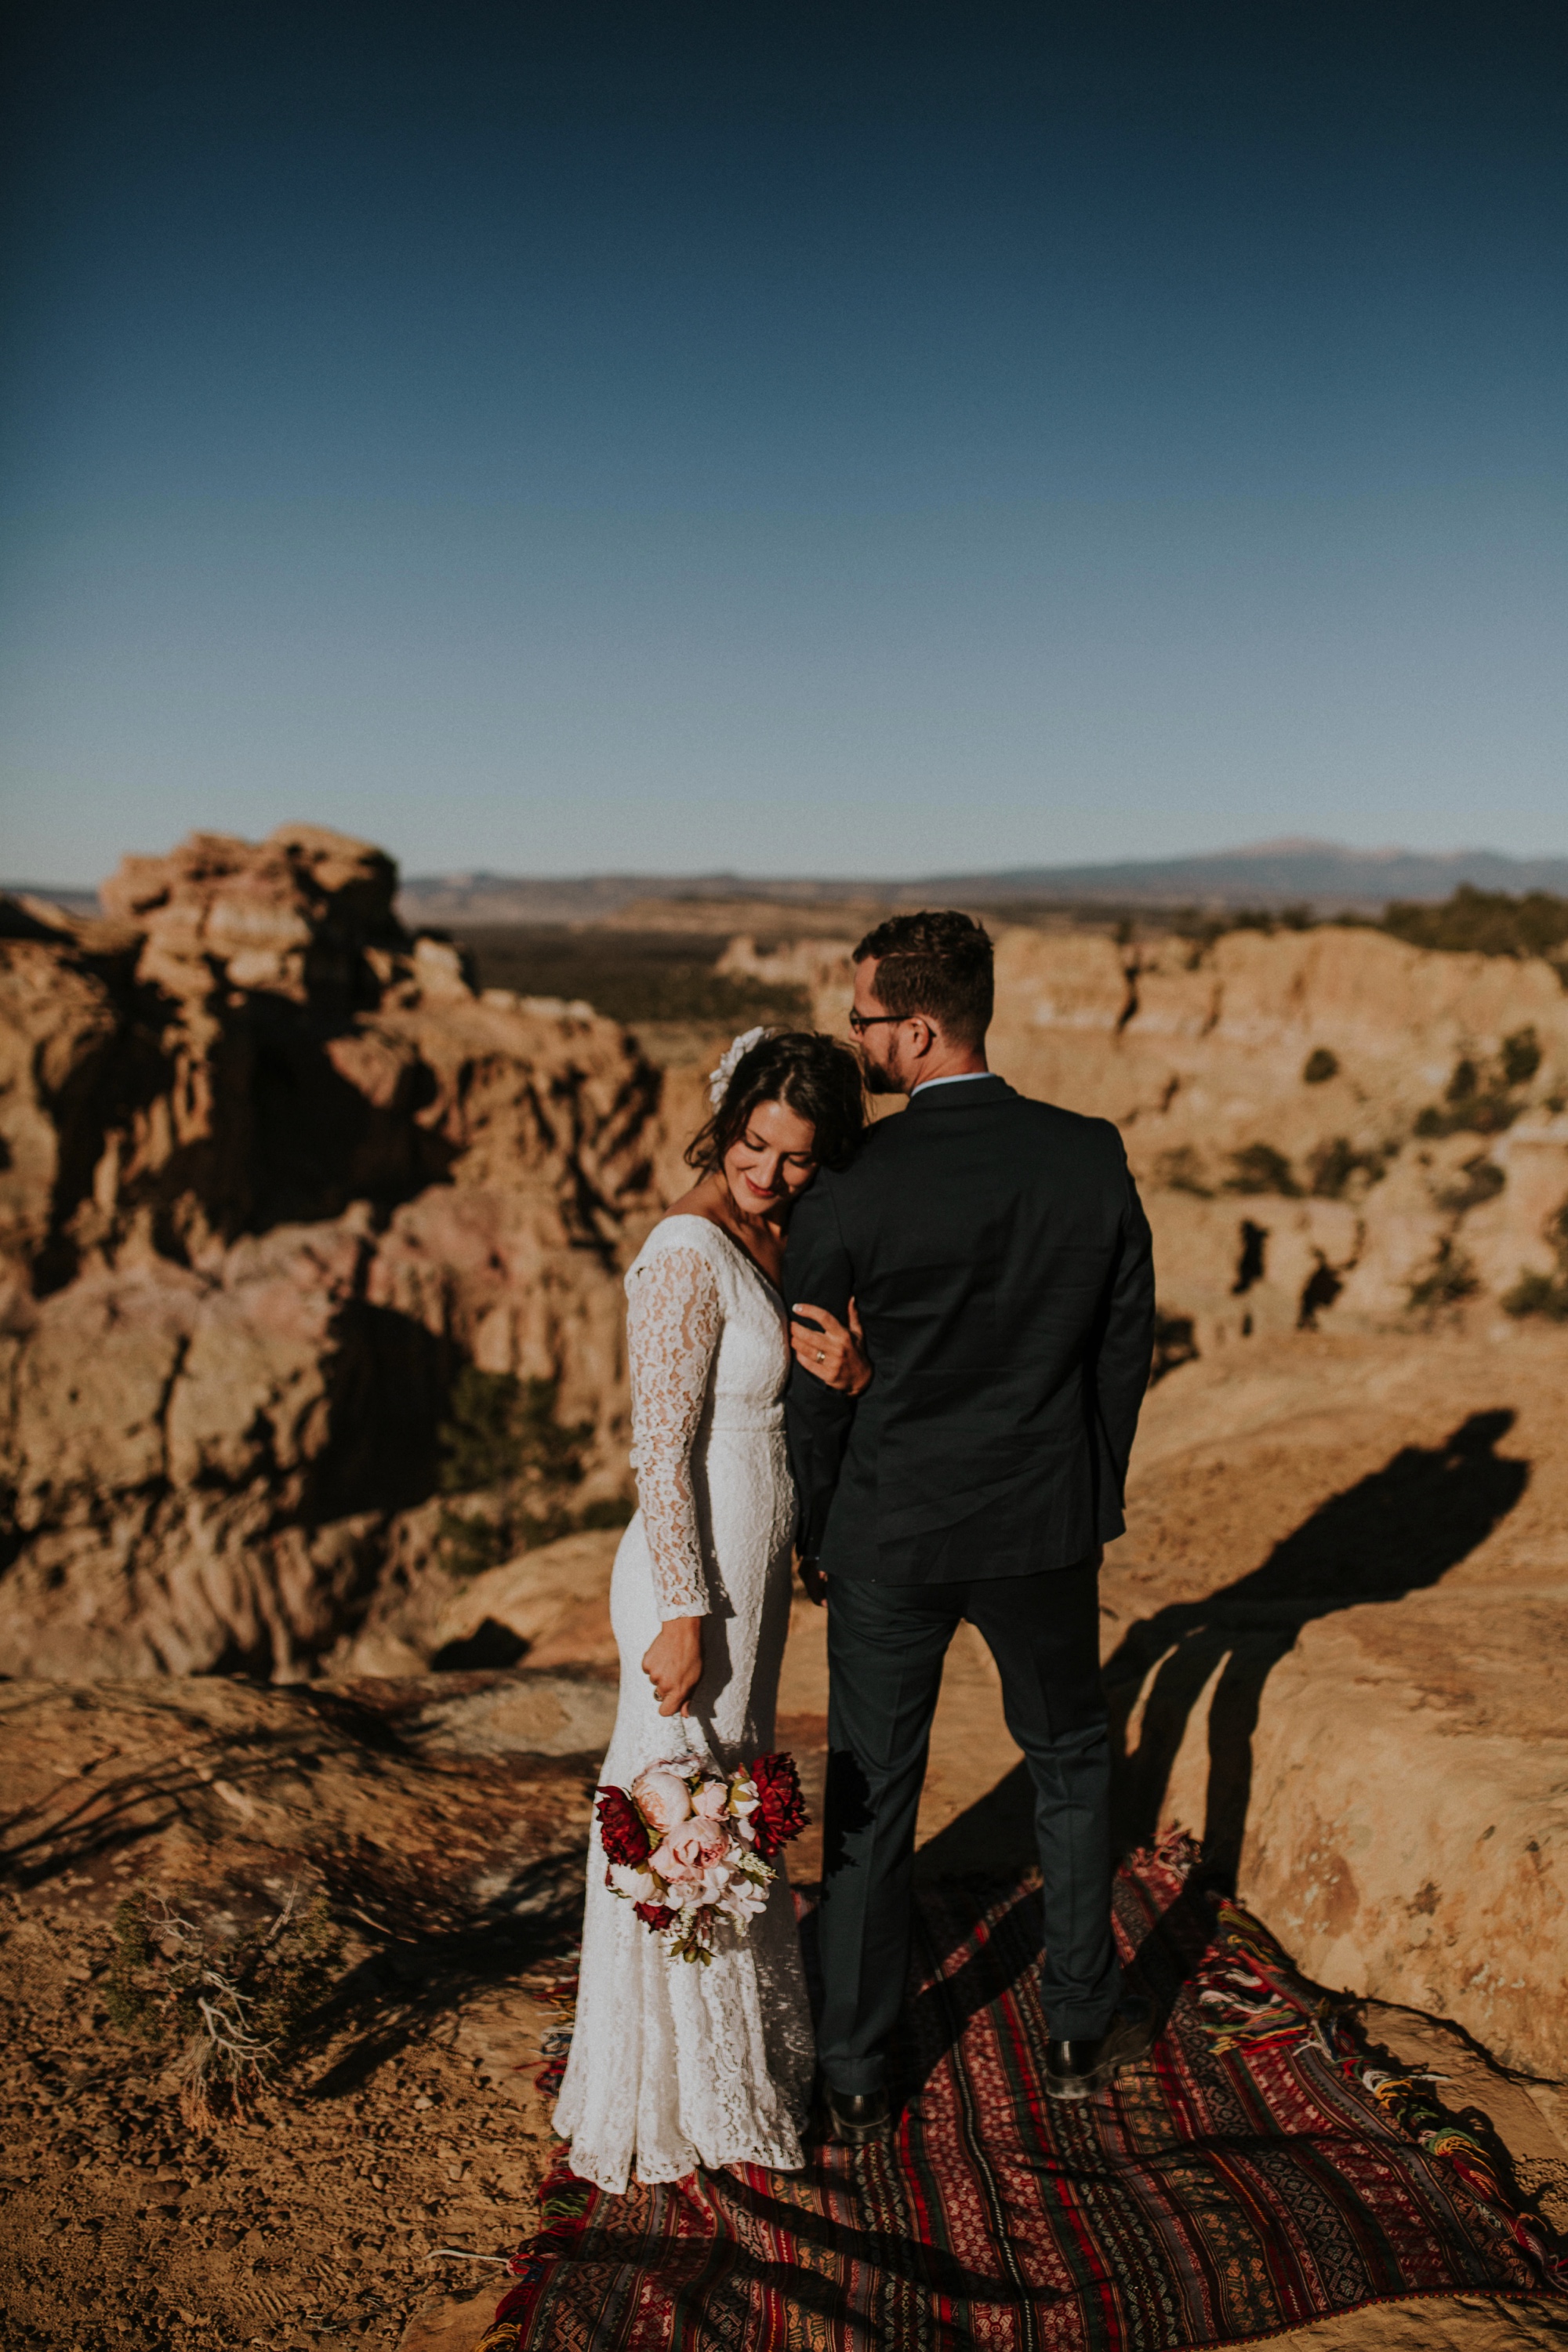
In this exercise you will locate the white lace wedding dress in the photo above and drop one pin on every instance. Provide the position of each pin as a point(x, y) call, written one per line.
point(673, 2064)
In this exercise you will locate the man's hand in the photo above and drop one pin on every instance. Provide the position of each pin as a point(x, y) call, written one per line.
point(835, 1356)
point(673, 1663)
point(814, 1581)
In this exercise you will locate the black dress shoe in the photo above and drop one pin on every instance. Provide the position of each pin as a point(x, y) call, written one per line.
point(859, 2117)
point(1075, 2070)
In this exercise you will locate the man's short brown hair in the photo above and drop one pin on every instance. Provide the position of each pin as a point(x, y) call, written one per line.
point(938, 965)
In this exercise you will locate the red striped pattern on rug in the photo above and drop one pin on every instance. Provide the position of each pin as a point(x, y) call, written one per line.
point(1230, 2188)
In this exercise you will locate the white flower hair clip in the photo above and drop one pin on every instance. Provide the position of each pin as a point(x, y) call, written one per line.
point(719, 1079)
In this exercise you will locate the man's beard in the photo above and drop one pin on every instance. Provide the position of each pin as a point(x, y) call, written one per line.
point(879, 1081)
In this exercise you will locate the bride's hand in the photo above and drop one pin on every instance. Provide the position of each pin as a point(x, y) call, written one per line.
point(833, 1354)
point(673, 1663)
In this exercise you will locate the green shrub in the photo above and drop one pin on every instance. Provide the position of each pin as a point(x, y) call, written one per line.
point(472, 1541)
point(501, 1440)
point(1175, 1343)
point(1321, 1065)
point(1181, 1171)
point(1520, 1056)
point(610, 1511)
point(1482, 1100)
point(1334, 1166)
point(1538, 1294)
point(1544, 1293)
point(1258, 1168)
point(1483, 922)
point(1480, 1180)
point(500, 1429)
point(1450, 1277)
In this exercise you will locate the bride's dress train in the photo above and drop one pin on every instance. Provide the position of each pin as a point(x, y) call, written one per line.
point(674, 2064)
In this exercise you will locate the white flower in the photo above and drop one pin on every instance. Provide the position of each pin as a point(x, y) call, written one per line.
point(719, 1079)
point(636, 1885)
point(741, 1901)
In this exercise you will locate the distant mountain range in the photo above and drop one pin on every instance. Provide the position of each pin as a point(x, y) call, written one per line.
point(1320, 873)
point(1323, 875)
point(1280, 873)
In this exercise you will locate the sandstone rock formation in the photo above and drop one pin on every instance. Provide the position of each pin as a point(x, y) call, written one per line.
point(1421, 1164)
point(271, 1171)
point(1336, 1636)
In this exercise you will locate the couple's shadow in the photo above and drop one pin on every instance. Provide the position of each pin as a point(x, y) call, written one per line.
point(1398, 1530)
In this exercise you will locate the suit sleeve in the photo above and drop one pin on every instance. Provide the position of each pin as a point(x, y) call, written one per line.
point(817, 1419)
point(1126, 1344)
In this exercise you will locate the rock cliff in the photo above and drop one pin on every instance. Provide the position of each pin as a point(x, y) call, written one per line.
point(1330, 1129)
point(271, 1172)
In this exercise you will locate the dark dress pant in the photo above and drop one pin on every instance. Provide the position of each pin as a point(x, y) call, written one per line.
point(886, 1644)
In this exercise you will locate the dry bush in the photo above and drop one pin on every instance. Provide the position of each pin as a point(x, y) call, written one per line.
point(228, 2011)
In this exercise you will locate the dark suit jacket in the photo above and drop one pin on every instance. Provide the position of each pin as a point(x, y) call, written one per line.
point(1000, 1258)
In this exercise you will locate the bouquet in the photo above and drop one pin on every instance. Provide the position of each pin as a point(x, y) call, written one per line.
point(689, 1845)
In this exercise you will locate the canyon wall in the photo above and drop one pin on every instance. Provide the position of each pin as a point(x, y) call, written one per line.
point(271, 1172)
point(1328, 1128)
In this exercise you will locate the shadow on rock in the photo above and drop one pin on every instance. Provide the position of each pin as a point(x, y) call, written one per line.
point(1398, 1531)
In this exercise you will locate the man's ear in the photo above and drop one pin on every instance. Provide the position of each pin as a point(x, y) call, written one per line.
point(924, 1038)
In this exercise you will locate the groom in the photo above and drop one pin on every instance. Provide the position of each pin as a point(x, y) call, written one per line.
point(999, 1259)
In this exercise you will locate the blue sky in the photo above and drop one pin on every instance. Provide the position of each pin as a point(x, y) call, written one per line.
point(798, 440)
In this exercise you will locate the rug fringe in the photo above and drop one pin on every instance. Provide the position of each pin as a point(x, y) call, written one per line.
point(1251, 1996)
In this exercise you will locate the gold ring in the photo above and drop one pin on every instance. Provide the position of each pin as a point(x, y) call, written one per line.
point(821, 1356)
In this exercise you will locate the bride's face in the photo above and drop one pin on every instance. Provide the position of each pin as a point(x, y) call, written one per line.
point(771, 1159)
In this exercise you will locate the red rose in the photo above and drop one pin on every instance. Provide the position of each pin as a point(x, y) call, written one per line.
point(652, 1914)
point(781, 1811)
point(622, 1829)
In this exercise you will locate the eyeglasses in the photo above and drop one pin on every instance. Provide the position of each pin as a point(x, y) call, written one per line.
point(861, 1022)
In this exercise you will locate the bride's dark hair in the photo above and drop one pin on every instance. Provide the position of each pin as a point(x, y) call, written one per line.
point(814, 1077)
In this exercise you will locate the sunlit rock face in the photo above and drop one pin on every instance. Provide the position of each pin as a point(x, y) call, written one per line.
point(270, 1171)
point(1330, 1129)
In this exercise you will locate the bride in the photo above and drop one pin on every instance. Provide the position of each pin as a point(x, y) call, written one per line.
point(675, 2064)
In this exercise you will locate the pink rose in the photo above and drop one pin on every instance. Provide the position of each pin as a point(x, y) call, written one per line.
point(662, 1799)
point(688, 1850)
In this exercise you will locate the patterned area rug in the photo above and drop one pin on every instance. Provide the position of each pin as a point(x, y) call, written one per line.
point(1258, 2173)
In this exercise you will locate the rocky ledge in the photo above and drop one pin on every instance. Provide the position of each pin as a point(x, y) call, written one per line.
point(272, 1173)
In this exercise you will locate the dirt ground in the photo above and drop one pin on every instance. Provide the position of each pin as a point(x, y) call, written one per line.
point(412, 2120)
point(373, 2194)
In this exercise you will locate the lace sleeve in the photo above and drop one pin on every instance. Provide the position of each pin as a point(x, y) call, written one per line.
point(673, 1320)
